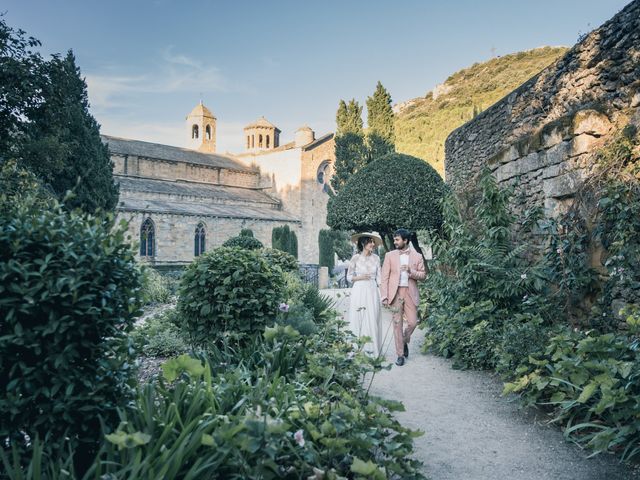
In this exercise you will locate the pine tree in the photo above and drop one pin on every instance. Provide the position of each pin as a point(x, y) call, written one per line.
point(63, 145)
point(350, 146)
point(380, 119)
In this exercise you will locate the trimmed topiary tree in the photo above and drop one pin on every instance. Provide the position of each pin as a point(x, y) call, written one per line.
point(243, 241)
point(228, 292)
point(69, 293)
point(393, 191)
point(284, 260)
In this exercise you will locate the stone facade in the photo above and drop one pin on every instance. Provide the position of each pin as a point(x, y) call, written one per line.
point(299, 173)
point(176, 191)
point(540, 138)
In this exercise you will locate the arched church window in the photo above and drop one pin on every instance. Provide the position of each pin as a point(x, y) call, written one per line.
point(253, 141)
point(248, 142)
point(267, 141)
point(199, 240)
point(195, 132)
point(260, 141)
point(208, 132)
point(147, 238)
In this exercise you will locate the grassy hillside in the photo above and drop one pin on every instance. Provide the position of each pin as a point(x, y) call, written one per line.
point(423, 124)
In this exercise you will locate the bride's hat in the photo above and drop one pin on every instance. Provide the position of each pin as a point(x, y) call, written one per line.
point(374, 235)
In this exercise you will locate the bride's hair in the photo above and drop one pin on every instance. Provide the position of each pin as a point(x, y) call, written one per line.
point(362, 242)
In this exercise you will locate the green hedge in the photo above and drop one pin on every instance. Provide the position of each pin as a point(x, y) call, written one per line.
point(69, 292)
point(283, 238)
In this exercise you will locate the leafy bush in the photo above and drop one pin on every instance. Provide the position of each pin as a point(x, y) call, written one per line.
point(246, 232)
point(69, 290)
point(228, 291)
point(285, 261)
point(243, 241)
point(482, 278)
point(156, 288)
point(159, 336)
point(286, 406)
point(593, 383)
point(391, 192)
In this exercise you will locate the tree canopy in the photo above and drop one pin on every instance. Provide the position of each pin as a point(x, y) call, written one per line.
point(46, 126)
point(391, 192)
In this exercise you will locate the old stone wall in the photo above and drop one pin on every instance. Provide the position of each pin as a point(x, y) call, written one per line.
point(174, 234)
point(541, 137)
point(171, 170)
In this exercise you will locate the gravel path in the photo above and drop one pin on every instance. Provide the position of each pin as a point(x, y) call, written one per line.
point(471, 431)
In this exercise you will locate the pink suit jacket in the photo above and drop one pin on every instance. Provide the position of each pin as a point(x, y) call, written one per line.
point(391, 275)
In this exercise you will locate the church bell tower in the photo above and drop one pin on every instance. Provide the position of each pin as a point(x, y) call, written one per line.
point(201, 129)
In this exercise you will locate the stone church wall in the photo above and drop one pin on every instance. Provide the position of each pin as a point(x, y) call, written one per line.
point(314, 199)
point(170, 170)
point(540, 138)
point(174, 234)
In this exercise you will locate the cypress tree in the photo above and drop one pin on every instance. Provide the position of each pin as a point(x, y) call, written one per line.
point(349, 141)
point(380, 119)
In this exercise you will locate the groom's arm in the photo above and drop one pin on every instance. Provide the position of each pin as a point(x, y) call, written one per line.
point(419, 274)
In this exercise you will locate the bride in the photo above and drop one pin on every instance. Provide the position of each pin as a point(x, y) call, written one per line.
point(364, 305)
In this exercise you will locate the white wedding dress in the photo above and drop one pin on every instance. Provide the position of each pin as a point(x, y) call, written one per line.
point(364, 305)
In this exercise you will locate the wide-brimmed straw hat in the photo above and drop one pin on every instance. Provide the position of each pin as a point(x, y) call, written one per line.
point(373, 235)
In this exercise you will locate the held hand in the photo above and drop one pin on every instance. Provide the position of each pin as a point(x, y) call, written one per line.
point(404, 268)
point(385, 302)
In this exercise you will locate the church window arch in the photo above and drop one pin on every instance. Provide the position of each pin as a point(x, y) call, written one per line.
point(147, 238)
point(267, 141)
point(253, 141)
point(199, 240)
point(195, 132)
point(248, 142)
point(323, 174)
point(260, 141)
point(208, 132)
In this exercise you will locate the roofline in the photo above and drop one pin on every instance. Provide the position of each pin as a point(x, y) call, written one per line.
point(249, 169)
point(318, 141)
point(187, 214)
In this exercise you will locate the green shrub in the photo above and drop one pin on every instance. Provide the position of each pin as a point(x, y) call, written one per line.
point(286, 406)
point(246, 242)
point(246, 232)
point(159, 336)
point(156, 288)
point(483, 276)
point(592, 381)
point(285, 261)
point(228, 291)
point(524, 335)
point(299, 317)
point(69, 292)
point(320, 306)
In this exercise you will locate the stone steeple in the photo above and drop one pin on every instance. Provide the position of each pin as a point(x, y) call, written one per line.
point(201, 129)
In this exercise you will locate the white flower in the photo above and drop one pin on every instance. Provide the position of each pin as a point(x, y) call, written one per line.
point(523, 276)
point(299, 437)
point(559, 250)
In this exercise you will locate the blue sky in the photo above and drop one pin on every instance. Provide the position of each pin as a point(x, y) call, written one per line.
point(147, 63)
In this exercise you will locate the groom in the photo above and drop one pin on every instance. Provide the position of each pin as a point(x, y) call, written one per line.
point(402, 269)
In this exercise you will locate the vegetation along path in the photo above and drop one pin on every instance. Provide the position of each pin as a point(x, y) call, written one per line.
point(471, 431)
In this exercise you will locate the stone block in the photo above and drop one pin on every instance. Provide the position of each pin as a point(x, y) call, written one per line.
point(562, 185)
point(583, 144)
point(557, 154)
point(591, 122)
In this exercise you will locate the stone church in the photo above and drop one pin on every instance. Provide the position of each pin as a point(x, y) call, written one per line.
point(181, 202)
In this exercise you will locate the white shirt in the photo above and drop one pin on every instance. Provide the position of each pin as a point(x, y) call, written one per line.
point(404, 275)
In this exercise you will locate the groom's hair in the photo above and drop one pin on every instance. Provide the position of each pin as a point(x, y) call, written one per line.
point(402, 233)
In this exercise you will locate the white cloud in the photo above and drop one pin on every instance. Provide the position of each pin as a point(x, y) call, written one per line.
point(175, 73)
